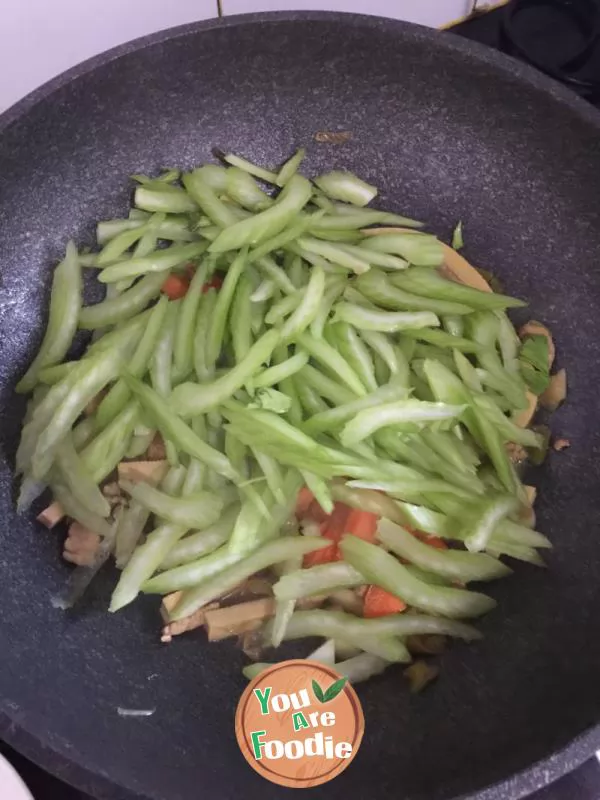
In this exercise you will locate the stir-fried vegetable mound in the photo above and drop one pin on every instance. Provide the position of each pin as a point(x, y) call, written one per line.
point(296, 416)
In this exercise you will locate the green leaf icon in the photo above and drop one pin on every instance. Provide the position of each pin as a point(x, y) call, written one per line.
point(334, 690)
point(318, 692)
point(331, 693)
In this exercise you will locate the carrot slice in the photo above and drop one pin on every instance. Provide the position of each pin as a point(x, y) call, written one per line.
point(190, 270)
point(175, 287)
point(315, 513)
point(323, 556)
point(362, 524)
point(214, 283)
point(303, 501)
point(379, 603)
point(432, 541)
point(332, 527)
point(337, 524)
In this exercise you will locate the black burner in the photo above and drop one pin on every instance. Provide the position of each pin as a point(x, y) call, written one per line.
point(560, 37)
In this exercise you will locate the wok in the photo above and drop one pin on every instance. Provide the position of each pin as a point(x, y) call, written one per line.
point(447, 130)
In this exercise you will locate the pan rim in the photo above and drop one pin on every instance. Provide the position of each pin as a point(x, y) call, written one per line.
point(12, 729)
point(520, 785)
point(479, 52)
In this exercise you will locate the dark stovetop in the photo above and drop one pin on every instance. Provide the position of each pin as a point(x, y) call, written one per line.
point(542, 29)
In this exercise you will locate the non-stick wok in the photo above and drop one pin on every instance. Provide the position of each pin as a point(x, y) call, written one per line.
point(448, 130)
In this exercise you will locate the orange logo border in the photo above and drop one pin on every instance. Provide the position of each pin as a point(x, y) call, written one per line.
point(243, 735)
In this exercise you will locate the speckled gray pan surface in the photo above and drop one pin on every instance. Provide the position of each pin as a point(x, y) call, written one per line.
point(447, 130)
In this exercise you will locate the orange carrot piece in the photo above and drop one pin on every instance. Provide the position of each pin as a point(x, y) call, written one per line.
point(214, 283)
point(432, 541)
point(379, 603)
point(362, 524)
point(190, 270)
point(337, 523)
point(315, 513)
point(323, 556)
point(303, 502)
point(175, 287)
point(333, 527)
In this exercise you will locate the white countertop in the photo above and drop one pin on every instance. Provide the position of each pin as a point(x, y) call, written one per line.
point(41, 38)
point(11, 786)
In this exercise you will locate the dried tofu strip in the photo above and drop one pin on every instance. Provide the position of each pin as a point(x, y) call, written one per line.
point(195, 620)
point(51, 516)
point(236, 620)
point(169, 602)
point(143, 471)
